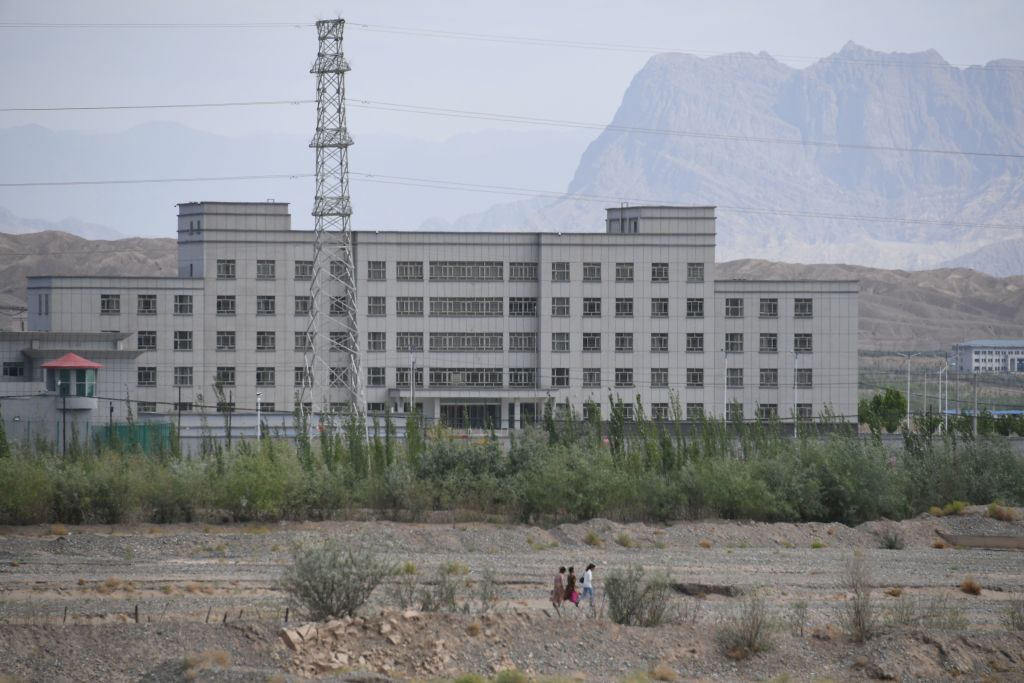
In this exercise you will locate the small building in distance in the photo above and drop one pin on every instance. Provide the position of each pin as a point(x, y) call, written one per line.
point(990, 355)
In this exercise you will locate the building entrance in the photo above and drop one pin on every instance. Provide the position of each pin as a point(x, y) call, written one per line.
point(471, 415)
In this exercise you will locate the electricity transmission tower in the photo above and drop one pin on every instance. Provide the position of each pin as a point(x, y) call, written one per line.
point(332, 329)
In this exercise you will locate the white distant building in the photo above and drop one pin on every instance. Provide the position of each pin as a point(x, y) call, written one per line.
point(493, 323)
point(990, 355)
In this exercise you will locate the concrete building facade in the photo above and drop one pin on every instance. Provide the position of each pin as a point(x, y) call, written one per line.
point(990, 355)
point(487, 325)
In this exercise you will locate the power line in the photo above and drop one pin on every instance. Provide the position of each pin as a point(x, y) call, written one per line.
point(439, 184)
point(529, 120)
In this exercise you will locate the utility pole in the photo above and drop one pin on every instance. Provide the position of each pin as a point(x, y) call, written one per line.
point(725, 389)
point(974, 381)
point(796, 403)
point(908, 356)
point(259, 423)
point(944, 398)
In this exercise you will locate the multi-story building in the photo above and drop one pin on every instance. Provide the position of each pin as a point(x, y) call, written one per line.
point(990, 355)
point(480, 326)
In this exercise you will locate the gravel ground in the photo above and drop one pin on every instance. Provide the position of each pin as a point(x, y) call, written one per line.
point(68, 602)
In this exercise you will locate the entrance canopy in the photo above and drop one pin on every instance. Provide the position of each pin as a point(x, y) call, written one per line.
point(71, 361)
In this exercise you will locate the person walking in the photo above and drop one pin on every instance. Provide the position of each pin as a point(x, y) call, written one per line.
point(571, 593)
point(588, 584)
point(558, 591)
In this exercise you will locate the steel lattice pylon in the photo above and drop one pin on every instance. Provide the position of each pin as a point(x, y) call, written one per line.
point(333, 329)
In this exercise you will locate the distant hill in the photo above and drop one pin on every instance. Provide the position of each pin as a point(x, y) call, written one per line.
point(1002, 259)
point(724, 108)
point(924, 310)
point(16, 225)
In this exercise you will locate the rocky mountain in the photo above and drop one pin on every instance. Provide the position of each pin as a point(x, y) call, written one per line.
point(726, 115)
point(15, 225)
point(1001, 259)
point(924, 310)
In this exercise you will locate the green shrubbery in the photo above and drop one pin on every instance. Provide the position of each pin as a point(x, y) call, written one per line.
point(652, 472)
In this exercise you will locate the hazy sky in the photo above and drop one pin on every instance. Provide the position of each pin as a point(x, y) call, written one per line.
point(100, 66)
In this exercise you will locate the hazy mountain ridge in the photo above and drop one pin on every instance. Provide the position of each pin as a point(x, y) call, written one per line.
point(898, 309)
point(16, 225)
point(917, 102)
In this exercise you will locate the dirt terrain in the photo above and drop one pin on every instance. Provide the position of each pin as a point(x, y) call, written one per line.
point(207, 606)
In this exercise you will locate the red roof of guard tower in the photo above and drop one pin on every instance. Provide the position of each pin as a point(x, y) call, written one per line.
point(72, 361)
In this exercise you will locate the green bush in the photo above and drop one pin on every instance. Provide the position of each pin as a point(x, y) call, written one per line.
point(748, 628)
point(634, 600)
point(327, 580)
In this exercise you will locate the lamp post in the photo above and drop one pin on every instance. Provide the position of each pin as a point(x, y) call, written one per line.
point(725, 389)
point(796, 403)
point(944, 402)
point(908, 356)
point(64, 417)
point(259, 423)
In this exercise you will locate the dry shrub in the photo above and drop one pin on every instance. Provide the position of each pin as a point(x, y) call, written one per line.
point(1002, 513)
point(194, 587)
point(663, 672)
point(58, 530)
point(1013, 615)
point(114, 583)
point(816, 544)
point(511, 676)
point(593, 539)
point(210, 659)
point(474, 629)
point(939, 544)
point(454, 568)
point(328, 580)
point(831, 531)
point(748, 628)
point(957, 507)
point(705, 543)
point(625, 540)
point(970, 586)
point(895, 591)
point(935, 511)
point(635, 600)
point(857, 613)
point(891, 539)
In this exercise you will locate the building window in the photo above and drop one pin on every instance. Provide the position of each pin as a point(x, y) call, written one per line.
point(695, 342)
point(225, 406)
point(734, 308)
point(302, 377)
point(265, 377)
point(182, 376)
point(266, 341)
point(559, 377)
point(767, 411)
point(659, 412)
point(560, 307)
point(695, 308)
point(628, 413)
point(591, 272)
point(303, 270)
point(110, 304)
point(146, 376)
point(410, 271)
point(623, 308)
point(659, 378)
point(592, 307)
point(409, 341)
point(591, 342)
point(465, 377)
point(769, 378)
point(448, 307)
point(695, 377)
point(623, 272)
point(14, 369)
point(803, 308)
point(409, 306)
point(146, 304)
point(623, 377)
point(803, 343)
point(467, 271)
point(659, 342)
point(266, 305)
point(182, 304)
point(337, 377)
point(591, 411)
point(266, 269)
point(402, 377)
point(695, 272)
point(376, 271)
point(804, 377)
point(659, 272)
point(694, 411)
point(341, 341)
point(734, 412)
point(734, 342)
point(522, 377)
point(374, 377)
point(225, 341)
point(591, 378)
point(225, 269)
point(560, 342)
point(183, 340)
point(338, 270)
point(145, 406)
point(769, 308)
point(224, 376)
point(303, 341)
point(624, 342)
point(804, 411)
point(522, 272)
point(659, 308)
point(146, 340)
point(225, 305)
point(560, 271)
point(303, 305)
point(522, 341)
point(466, 341)
point(376, 341)
point(522, 307)
point(768, 342)
point(376, 305)
point(734, 377)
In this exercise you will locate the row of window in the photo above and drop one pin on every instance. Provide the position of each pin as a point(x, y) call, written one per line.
point(768, 307)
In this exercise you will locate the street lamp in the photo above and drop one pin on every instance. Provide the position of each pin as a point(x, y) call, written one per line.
point(259, 424)
point(796, 404)
point(908, 356)
point(942, 406)
point(64, 418)
point(725, 388)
